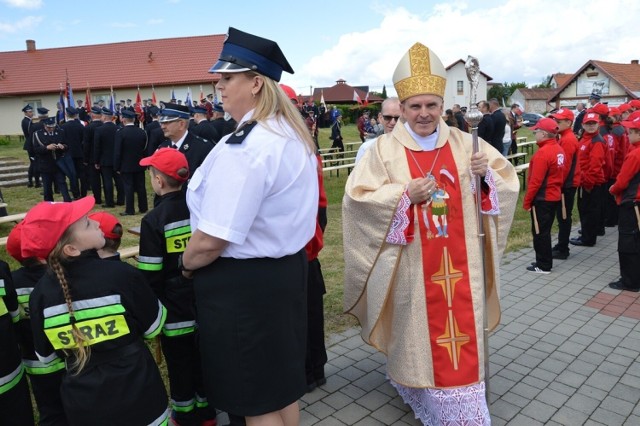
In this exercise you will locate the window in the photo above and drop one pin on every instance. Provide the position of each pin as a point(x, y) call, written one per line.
point(35, 104)
point(460, 87)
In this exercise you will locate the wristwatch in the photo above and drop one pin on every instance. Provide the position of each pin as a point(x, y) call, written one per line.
point(181, 266)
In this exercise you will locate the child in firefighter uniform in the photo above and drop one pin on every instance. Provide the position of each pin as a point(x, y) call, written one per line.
point(164, 233)
point(45, 377)
point(15, 402)
point(93, 314)
point(626, 189)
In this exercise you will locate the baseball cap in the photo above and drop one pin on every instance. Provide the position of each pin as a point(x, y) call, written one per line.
point(13, 243)
point(633, 123)
point(288, 90)
point(635, 103)
point(107, 223)
point(563, 114)
point(601, 109)
point(591, 117)
point(546, 124)
point(624, 108)
point(169, 161)
point(614, 111)
point(45, 223)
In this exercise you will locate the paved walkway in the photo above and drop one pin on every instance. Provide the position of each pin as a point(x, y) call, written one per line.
point(567, 353)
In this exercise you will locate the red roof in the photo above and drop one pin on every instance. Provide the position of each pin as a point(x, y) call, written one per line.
point(162, 62)
point(561, 78)
point(626, 75)
point(342, 93)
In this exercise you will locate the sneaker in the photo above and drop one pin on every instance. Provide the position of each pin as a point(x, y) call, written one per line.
point(561, 255)
point(537, 270)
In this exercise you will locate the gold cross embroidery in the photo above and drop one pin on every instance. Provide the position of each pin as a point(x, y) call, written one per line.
point(452, 340)
point(447, 277)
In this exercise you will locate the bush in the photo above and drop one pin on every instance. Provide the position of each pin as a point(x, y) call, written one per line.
point(4, 141)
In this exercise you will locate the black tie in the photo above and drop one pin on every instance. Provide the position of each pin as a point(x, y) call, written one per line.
point(174, 146)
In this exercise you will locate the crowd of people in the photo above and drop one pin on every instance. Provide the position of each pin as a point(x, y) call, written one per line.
point(228, 275)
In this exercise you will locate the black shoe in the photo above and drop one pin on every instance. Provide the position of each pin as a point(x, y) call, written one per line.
point(30, 185)
point(120, 204)
point(311, 386)
point(618, 285)
point(143, 211)
point(578, 242)
point(38, 185)
point(321, 381)
point(534, 268)
point(108, 206)
point(560, 255)
point(127, 214)
point(601, 233)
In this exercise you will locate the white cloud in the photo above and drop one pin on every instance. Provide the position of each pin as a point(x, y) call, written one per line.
point(512, 43)
point(26, 23)
point(24, 4)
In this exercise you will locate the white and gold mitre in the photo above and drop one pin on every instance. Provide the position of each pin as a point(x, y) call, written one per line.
point(420, 72)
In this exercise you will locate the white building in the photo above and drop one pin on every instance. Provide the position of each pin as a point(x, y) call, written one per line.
point(458, 88)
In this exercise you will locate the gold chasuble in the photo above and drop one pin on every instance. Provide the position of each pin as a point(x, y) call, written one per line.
point(413, 272)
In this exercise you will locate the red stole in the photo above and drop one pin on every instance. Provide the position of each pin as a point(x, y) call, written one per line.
point(449, 307)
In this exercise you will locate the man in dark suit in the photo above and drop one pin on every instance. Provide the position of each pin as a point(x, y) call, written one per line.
point(222, 126)
point(93, 174)
point(577, 123)
point(203, 127)
point(154, 133)
point(27, 146)
point(130, 148)
point(174, 121)
point(499, 123)
point(43, 114)
point(485, 127)
point(104, 152)
point(83, 115)
point(73, 134)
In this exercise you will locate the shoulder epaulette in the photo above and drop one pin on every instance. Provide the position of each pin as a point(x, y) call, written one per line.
point(239, 135)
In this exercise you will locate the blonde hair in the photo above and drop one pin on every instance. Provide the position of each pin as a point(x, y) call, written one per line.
point(83, 351)
point(272, 101)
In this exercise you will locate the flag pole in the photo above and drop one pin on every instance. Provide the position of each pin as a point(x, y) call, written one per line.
point(474, 117)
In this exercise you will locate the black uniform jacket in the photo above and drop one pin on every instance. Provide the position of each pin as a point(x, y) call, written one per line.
point(164, 233)
point(73, 135)
point(104, 142)
point(87, 141)
point(130, 148)
point(194, 148)
point(47, 158)
point(207, 131)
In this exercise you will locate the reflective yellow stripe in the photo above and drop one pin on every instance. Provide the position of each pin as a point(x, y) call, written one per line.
point(3, 308)
point(178, 243)
point(95, 331)
point(10, 380)
point(38, 368)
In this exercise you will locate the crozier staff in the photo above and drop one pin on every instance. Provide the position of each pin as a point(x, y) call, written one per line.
point(253, 205)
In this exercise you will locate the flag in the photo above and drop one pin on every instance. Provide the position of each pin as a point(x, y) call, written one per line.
point(112, 102)
point(321, 97)
point(138, 106)
point(366, 99)
point(187, 100)
point(87, 99)
point(153, 96)
point(356, 97)
point(61, 114)
point(69, 93)
point(201, 93)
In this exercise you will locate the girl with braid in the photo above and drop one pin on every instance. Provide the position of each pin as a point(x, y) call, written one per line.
point(93, 315)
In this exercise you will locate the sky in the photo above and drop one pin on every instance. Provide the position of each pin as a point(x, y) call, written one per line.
point(358, 41)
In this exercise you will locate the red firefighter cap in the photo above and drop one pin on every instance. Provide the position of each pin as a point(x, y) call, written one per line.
point(107, 223)
point(601, 109)
point(14, 243)
point(546, 124)
point(614, 111)
point(590, 117)
point(288, 90)
point(563, 114)
point(635, 103)
point(629, 124)
point(169, 161)
point(47, 221)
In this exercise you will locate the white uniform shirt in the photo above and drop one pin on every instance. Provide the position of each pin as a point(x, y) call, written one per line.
point(260, 195)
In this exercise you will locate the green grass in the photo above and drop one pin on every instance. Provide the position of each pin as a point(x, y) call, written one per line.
point(20, 199)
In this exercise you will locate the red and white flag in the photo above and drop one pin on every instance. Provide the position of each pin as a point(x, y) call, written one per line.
point(138, 106)
point(87, 99)
point(356, 97)
point(154, 101)
point(366, 99)
point(321, 97)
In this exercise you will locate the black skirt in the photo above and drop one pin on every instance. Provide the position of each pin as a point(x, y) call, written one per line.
point(252, 322)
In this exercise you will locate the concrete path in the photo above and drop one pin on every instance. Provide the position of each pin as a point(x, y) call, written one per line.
point(566, 353)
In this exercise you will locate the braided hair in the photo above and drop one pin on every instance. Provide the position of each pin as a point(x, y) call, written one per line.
point(83, 351)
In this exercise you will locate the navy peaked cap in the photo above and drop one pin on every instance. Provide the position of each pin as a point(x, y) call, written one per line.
point(218, 107)
point(71, 111)
point(43, 111)
point(27, 107)
point(106, 111)
point(198, 110)
point(126, 113)
point(51, 121)
point(246, 52)
point(170, 111)
point(96, 110)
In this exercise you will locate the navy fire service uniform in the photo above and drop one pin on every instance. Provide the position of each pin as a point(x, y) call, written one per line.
point(49, 170)
point(114, 309)
point(164, 233)
point(15, 402)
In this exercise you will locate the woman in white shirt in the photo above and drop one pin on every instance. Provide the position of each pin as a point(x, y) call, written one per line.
point(253, 205)
point(506, 139)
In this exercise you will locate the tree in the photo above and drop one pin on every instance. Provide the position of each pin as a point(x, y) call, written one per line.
point(544, 84)
point(502, 92)
point(384, 92)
